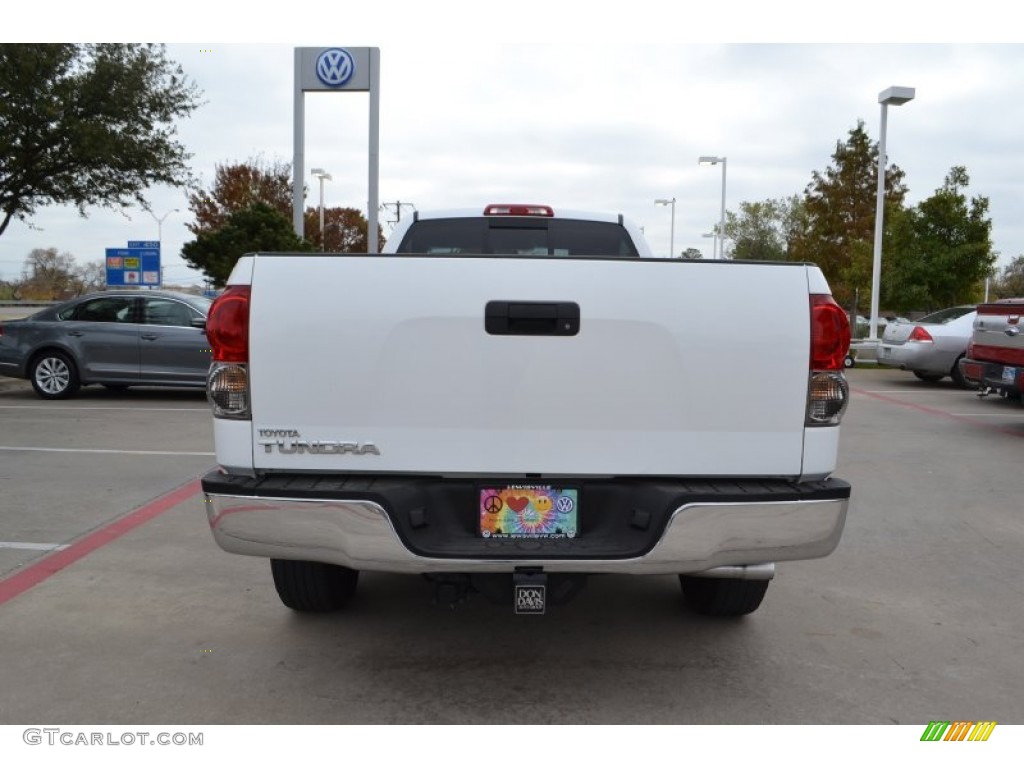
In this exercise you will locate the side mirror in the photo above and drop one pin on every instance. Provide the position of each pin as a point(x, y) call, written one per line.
point(199, 322)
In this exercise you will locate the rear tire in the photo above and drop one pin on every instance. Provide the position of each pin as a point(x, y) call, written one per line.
point(957, 377)
point(312, 587)
point(849, 361)
point(723, 597)
point(53, 376)
point(929, 377)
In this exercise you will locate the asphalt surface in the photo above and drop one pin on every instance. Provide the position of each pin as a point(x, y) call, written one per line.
point(916, 617)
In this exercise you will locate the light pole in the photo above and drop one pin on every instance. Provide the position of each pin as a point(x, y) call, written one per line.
point(710, 160)
point(323, 175)
point(894, 95)
point(160, 236)
point(160, 223)
point(672, 232)
point(714, 241)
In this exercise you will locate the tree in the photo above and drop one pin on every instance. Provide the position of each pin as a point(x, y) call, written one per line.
point(48, 275)
point(942, 249)
point(256, 228)
point(238, 186)
point(88, 125)
point(1010, 282)
point(692, 253)
point(839, 205)
point(345, 230)
point(763, 231)
point(91, 276)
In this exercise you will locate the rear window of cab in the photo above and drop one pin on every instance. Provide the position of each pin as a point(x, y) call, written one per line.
point(509, 236)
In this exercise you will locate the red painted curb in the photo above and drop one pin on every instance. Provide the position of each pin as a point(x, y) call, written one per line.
point(24, 580)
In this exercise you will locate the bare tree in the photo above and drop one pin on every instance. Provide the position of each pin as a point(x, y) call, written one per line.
point(49, 275)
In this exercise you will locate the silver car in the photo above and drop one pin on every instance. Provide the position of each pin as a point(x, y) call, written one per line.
point(932, 346)
point(115, 338)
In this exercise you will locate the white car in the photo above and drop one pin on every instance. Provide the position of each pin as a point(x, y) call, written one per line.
point(930, 347)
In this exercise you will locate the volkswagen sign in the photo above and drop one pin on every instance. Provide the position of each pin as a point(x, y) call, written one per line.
point(335, 67)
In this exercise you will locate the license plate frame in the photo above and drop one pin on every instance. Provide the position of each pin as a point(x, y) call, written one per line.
point(527, 511)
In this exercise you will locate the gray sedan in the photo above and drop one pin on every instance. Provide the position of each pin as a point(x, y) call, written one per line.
point(932, 346)
point(115, 338)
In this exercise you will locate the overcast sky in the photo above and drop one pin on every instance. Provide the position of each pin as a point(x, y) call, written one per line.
point(477, 108)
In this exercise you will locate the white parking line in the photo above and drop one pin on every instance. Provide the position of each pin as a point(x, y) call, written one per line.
point(104, 450)
point(997, 415)
point(95, 408)
point(30, 545)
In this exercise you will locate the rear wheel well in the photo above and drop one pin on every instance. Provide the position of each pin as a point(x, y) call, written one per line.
point(53, 373)
point(42, 351)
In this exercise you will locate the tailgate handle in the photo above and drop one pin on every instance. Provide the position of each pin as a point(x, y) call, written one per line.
point(532, 318)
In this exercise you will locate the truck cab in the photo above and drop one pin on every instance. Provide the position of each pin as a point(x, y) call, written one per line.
point(519, 230)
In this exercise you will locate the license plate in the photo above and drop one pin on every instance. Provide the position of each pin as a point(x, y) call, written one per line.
point(886, 352)
point(529, 512)
point(1009, 375)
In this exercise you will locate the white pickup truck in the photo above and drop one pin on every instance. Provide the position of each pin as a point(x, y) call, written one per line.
point(514, 398)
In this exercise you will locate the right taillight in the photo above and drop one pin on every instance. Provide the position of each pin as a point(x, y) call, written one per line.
point(830, 333)
point(227, 328)
point(828, 394)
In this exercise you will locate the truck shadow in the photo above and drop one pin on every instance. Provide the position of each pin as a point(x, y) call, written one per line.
point(626, 650)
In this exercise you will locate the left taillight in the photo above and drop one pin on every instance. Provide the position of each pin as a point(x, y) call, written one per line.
point(920, 334)
point(828, 393)
point(227, 328)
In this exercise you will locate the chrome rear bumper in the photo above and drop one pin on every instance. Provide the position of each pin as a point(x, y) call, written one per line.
point(699, 537)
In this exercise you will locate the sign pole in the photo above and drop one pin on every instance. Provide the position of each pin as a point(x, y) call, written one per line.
point(372, 246)
point(298, 154)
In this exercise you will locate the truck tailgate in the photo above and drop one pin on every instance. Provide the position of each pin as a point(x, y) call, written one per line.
point(682, 368)
point(997, 335)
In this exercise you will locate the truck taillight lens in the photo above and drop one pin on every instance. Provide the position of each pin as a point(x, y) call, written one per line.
point(828, 394)
point(227, 389)
point(227, 328)
point(227, 325)
point(830, 333)
point(827, 398)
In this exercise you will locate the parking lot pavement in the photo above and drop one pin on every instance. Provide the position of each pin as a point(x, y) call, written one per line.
point(7, 383)
point(70, 466)
point(939, 399)
point(915, 617)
